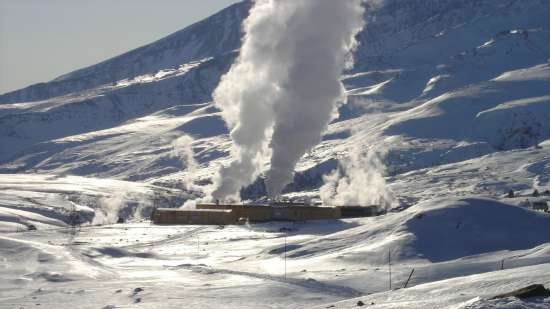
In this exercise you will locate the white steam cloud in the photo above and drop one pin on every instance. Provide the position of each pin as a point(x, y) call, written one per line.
point(182, 149)
point(110, 207)
point(284, 88)
point(122, 202)
point(358, 180)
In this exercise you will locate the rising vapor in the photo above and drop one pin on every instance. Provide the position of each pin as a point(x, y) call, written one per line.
point(358, 180)
point(283, 90)
point(321, 37)
point(182, 149)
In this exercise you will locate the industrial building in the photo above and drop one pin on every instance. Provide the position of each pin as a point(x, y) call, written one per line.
point(225, 214)
point(195, 216)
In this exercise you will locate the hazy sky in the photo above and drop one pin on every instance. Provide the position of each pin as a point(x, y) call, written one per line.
point(42, 39)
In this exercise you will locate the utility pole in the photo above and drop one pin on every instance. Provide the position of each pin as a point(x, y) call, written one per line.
point(285, 255)
point(389, 266)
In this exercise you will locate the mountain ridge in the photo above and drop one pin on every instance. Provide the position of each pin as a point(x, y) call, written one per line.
point(435, 83)
point(182, 45)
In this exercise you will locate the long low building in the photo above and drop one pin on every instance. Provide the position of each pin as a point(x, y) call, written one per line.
point(194, 216)
point(262, 213)
point(217, 214)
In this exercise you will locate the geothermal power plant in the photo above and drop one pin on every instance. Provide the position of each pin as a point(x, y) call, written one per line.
point(286, 102)
point(227, 214)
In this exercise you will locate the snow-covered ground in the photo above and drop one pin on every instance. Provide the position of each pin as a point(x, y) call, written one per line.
point(46, 201)
point(454, 94)
point(456, 248)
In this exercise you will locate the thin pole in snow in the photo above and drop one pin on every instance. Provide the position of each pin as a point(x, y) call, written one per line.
point(389, 266)
point(408, 279)
point(285, 255)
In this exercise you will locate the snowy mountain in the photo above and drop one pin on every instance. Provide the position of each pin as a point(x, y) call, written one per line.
point(468, 77)
point(455, 95)
point(212, 37)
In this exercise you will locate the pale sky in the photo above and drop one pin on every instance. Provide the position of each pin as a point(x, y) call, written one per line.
point(43, 39)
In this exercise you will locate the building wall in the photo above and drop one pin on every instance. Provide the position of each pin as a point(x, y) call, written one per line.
point(358, 211)
point(261, 213)
point(176, 216)
point(212, 214)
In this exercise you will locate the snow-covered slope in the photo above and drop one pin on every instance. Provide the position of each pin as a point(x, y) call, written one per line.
point(211, 37)
point(468, 292)
point(46, 201)
point(454, 94)
point(469, 78)
point(248, 267)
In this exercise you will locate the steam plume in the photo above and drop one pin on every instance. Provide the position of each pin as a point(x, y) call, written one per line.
point(285, 83)
point(182, 149)
point(110, 208)
point(322, 36)
point(359, 180)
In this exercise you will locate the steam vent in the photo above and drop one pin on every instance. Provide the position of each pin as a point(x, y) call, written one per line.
point(214, 214)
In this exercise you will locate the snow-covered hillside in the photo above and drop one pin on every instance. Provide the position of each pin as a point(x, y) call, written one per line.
point(455, 95)
point(214, 36)
point(142, 266)
point(467, 78)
